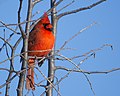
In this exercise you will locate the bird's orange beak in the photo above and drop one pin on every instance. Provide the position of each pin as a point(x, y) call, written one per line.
point(49, 26)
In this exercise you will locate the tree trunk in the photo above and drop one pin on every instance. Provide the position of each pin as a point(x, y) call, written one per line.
point(51, 63)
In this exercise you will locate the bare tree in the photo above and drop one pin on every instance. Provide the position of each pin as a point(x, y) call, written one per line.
point(23, 35)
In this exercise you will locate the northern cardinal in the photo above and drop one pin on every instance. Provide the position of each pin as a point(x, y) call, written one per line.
point(40, 43)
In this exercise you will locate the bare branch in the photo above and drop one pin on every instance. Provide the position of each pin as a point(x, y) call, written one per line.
point(11, 66)
point(21, 23)
point(6, 47)
point(55, 4)
point(66, 6)
point(103, 72)
point(88, 72)
point(5, 69)
point(8, 59)
point(51, 62)
point(97, 49)
point(36, 1)
point(6, 42)
point(17, 74)
point(75, 36)
point(80, 9)
point(48, 80)
point(19, 17)
point(77, 67)
point(25, 49)
point(17, 42)
point(4, 25)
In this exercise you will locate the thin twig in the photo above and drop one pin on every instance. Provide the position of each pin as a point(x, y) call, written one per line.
point(36, 1)
point(6, 42)
point(75, 36)
point(80, 9)
point(19, 17)
point(9, 58)
point(49, 82)
point(17, 24)
point(4, 25)
point(88, 72)
point(66, 6)
point(6, 47)
point(5, 69)
point(17, 74)
point(56, 4)
point(76, 67)
point(91, 52)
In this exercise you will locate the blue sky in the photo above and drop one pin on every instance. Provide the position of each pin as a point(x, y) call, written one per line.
point(106, 31)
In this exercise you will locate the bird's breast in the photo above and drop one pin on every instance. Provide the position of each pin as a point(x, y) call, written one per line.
point(41, 45)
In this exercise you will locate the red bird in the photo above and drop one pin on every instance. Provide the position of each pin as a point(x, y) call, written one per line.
point(40, 43)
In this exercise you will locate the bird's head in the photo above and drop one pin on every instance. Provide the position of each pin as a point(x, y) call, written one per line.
point(46, 22)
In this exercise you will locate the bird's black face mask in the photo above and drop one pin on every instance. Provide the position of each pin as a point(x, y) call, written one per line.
point(48, 26)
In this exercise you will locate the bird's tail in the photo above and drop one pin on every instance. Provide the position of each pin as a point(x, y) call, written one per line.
point(30, 75)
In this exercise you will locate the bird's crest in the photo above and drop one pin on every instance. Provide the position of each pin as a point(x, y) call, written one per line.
point(45, 18)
